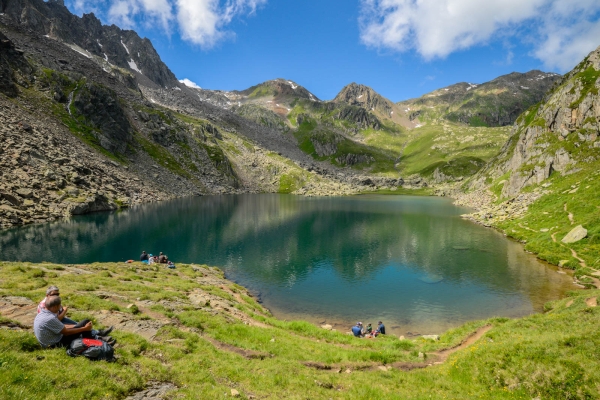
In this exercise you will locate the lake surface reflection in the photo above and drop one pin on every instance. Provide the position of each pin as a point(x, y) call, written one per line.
point(409, 261)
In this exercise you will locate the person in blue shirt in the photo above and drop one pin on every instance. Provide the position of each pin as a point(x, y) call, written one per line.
point(357, 329)
point(381, 328)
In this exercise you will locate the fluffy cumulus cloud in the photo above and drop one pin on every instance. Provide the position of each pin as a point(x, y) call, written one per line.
point(202, 22)
point(561, 33)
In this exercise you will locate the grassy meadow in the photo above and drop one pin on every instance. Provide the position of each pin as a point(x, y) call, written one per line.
point(228, 341)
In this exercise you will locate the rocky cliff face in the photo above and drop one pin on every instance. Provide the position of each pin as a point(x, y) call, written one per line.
point(495, 103)
point(559, 134)
point(122, 48)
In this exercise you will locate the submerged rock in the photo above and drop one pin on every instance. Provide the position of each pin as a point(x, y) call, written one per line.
point(431, 279)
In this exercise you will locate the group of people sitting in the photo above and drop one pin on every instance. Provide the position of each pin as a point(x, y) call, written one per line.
point(359, 330)
point(52, 328)
point(160, 259)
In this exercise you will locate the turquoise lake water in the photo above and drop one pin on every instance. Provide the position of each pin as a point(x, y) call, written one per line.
point(409, 261)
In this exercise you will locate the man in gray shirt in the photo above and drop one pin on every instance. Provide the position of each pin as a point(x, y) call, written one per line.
point(51, 332)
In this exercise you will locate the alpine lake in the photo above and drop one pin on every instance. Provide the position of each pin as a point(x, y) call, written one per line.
point(409, 261)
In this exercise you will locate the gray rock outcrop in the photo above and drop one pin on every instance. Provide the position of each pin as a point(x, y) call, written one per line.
point(575, 235)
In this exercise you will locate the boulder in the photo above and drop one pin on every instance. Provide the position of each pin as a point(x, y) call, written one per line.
point(14, 200)
point(93, 203)
point(576, 234)
point(431, 337)
point(327, 327)
point(25, 193)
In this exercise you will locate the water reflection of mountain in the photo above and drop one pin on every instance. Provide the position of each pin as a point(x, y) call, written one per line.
point(281, 240)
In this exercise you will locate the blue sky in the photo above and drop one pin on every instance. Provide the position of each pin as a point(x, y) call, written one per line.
point(401, 48)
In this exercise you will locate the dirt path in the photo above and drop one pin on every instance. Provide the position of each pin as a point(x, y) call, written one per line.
point(570, 215)
point(249, 354)
point(441, 356)
point(438, 357)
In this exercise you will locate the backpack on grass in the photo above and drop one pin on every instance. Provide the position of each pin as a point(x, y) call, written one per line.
point(92, 349)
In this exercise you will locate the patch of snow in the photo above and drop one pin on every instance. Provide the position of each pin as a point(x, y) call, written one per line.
point(105, 70)
point(312, 98)
point(152, 100)
point(408, 109)
point(134, 66)
point(277, 105)
point(176, 88)
point(524, 87)
point(446, 89)
point(471, 86)
point(239, 103)
point(100, 44)
point(126, 49)
point(269, 101)
point(292, 85)
point(418, 126)
point(83, 53)
point(392, 113)
point(189, 83)
point(46, 36)
point(360, 96)
point(105, 57)
point(139, 54)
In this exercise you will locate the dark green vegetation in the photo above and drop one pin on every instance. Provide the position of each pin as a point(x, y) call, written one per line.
point(205, 349)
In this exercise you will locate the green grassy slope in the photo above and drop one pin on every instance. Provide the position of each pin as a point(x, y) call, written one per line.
point(208, 349)
point(457, 150)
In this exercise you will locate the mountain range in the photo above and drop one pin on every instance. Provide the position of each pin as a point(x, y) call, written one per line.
point(160, 138)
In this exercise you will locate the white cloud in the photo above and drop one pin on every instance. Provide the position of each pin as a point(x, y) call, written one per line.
point(189, 83)
point(564, 31)
point(202, 22)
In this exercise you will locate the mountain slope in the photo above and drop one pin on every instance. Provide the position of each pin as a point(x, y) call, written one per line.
point(546, 176)
point(495, 103)
point(121, 48)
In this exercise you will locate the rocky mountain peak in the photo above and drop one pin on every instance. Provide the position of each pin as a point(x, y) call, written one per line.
point(364, 96)
point(278, 89)
point(110, 44)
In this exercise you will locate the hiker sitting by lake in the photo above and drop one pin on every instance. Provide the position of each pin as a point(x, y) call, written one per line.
point(62, 312)
point(357, 329)
point(144, 256)
point(369, 329)
point(162, 259)
point(380, 328)
point(51, 332)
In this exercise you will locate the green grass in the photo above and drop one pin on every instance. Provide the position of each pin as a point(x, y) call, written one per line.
point(548, 213)
point(162, 156)
point(458, 150)
point(551, 355)
point(587, 79)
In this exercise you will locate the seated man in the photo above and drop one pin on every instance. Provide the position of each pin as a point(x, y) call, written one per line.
point(357, 329)
point(51, 332)
point(162, 259)
point(380, 328)
point(53, 291)
point(144, 256)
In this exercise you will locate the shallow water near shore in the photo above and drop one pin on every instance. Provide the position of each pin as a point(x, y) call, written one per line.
point(409, 261)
